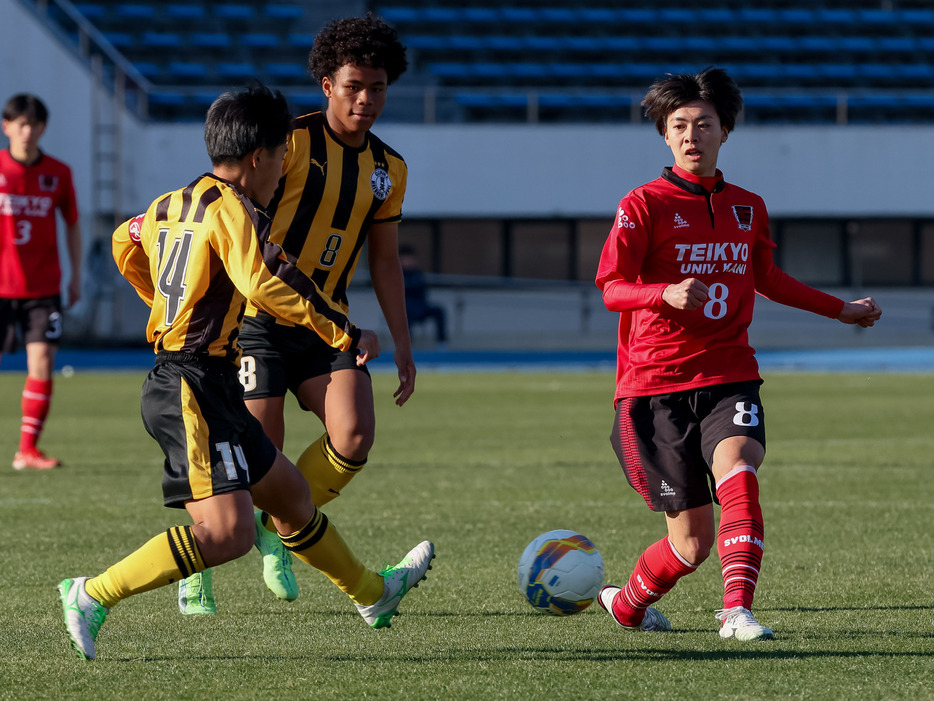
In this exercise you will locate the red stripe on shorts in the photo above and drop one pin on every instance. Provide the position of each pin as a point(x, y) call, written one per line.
point(632, 458)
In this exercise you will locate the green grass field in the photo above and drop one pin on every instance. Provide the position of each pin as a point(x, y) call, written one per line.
point(480, 464)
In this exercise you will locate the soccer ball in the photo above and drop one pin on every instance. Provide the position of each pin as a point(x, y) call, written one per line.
point(560, 572)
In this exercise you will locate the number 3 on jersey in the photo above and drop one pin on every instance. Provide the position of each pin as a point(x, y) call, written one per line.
point(172, 270)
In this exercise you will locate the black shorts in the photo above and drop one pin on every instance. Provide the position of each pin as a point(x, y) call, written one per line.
point(278, 358)
point(39, 320)
point(193, 407)
point(665, 442)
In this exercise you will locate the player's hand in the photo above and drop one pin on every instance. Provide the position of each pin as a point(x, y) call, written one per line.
point(406, 365)
point(367, 347)
point(864, 312)
point(687, 294)
point(74, 292)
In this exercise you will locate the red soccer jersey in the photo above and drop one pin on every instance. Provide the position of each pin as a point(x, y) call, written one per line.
point(682, 226)
point(29, 196)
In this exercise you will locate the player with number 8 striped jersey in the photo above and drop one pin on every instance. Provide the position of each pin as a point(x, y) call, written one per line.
point(328, 200)
point(681, 226)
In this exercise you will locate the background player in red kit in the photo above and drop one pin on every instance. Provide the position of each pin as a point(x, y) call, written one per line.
point(32, 187)
point(682, 265)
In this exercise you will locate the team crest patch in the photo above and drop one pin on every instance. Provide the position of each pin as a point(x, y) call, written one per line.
point(380, 183)
point(136, 226)
point(743, 214)
point(48, 183)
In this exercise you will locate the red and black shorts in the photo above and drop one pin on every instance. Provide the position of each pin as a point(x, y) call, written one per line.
point(277, 359)
point(193, 406)
point(665, 442)
point(38, 320)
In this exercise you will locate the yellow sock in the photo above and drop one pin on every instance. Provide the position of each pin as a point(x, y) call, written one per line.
point(321, 546)
point(326, 470)
point(166, 558)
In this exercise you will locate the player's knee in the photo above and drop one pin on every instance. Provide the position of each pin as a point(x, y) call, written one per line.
point(695, 549)
point(354, 442)
point(225, 544)
point(241, 539)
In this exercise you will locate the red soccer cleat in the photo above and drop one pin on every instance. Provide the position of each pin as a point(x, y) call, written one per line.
point(34, 460)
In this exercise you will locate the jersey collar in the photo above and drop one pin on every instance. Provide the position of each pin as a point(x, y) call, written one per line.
point(694, 183)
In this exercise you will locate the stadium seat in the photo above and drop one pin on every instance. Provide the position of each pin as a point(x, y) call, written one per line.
point(222, 10)
point(638, 16)
point(797, 16)
point(284, 12)
point(290, 71)
point(128, 10)
point(179, 70)
point(860, 44)
point(444, 15)
point(400, 15)
point(916, 16)
point(487, 100)
point(236, 70)
point(897, 44)
point(869, 16)
point(518, 15)
point(161, 40)
point(301, 40)
point(598, 16)
point(487, 15)
point(185, 12)
point(259, 40)
point(817, 44)
point(559, 15)
point(758, 15)
point(210, 40)
point(833, 17)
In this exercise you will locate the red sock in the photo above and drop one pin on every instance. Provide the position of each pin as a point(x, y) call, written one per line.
point(37, 398)
point(658, 570)
point(740, 540)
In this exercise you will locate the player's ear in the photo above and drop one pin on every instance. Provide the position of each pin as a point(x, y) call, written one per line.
point(257, 156)
point(327, 85)
point(724, 135)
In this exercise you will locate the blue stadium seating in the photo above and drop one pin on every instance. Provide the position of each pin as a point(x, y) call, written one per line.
point(571, 53)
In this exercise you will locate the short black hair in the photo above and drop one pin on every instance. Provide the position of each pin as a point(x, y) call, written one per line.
point(239, 122)
point(26, 105)
point(712, 85)
point(361, 41)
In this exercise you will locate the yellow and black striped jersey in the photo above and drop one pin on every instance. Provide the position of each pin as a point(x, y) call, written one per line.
point(329, 197)
point(196, 256)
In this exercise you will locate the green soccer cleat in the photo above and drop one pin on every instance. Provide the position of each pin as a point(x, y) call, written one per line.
point(83, 616)
point(196, 594)
point(398, 581)
point(277, 563)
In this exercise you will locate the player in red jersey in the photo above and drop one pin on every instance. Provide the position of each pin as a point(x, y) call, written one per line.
point(33, 186)
point(682, 264)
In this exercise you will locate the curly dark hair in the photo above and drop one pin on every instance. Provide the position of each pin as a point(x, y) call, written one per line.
point(712, 85)
point(362, 41)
